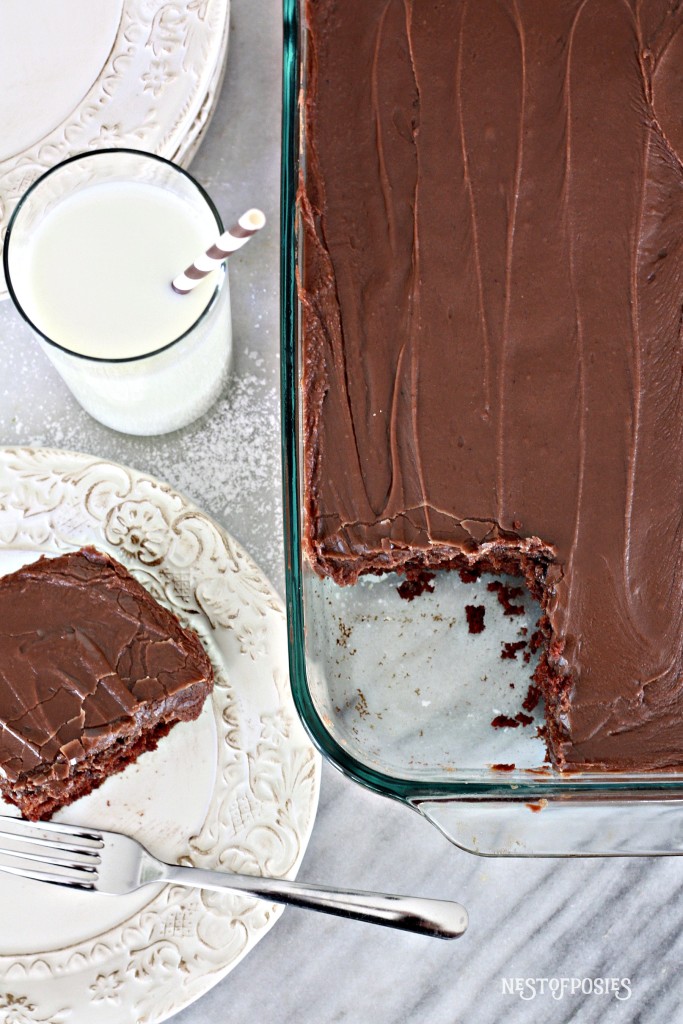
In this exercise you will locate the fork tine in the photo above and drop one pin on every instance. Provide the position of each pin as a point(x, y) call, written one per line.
point(46, 876)
point(57, 862)
point(73, 853)
point(22, 828)
point(54, 843)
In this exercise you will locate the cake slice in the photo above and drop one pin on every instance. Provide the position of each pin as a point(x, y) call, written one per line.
point(93, 672)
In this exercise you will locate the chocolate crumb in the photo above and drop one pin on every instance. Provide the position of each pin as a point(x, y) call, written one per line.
point(535, 640)
point(475, 617)
point(510, 650)
point(523, 719)
point(503, 767)
point(533, 695)
point(361, 706)
point(542, 734)
point(506, 596)
point(504, 722)
point(417, 585)
point(468, 575)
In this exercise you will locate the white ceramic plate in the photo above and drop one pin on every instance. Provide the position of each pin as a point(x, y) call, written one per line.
point(237, 789)
point(89, 74)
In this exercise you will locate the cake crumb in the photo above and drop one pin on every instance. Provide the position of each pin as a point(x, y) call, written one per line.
point(475, 617)
point(533, 696)
point(510, 650)
point(536, 640)
point(344, 633)
point(468, 575)
point(506, 595)
point(416, 585)
point(505, 722)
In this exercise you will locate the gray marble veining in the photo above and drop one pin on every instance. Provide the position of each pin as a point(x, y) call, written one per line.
point(581, 919)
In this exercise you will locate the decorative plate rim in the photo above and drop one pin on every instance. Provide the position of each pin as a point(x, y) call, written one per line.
point(261, 814)
point(156, 92)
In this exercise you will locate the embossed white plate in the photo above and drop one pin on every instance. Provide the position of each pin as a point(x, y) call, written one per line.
point(89, 74)
point(237, 789)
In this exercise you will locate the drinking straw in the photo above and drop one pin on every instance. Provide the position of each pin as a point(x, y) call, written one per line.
point(228, 243)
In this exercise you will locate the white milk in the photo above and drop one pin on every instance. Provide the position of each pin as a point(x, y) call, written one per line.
point(94, 275)
point(100, 266)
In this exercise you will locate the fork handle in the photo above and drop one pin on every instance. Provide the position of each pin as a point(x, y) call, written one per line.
point(440, 918)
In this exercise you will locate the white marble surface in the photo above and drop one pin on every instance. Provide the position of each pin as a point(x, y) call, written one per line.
point(529, 919)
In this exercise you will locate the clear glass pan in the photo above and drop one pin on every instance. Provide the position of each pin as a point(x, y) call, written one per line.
point(398, 694)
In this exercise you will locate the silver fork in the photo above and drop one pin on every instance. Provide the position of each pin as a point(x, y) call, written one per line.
point(93, 860)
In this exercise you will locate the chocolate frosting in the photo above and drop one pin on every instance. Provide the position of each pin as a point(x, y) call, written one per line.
point(86, 656)
point(493, 321)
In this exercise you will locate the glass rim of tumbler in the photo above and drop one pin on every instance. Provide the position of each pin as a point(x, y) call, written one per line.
point(81, 157)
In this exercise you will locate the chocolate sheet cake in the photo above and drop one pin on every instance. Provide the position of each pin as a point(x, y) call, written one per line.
point(93, 672)
point(492, 296)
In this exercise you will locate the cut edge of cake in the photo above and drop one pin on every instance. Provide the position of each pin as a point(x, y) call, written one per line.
point(528, 559)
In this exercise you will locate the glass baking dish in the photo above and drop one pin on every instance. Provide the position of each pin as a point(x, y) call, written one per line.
point(399, 694)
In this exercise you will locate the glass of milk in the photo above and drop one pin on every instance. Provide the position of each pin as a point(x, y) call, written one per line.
point(89, 257)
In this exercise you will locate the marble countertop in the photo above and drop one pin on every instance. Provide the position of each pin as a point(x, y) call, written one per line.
point(529, 919)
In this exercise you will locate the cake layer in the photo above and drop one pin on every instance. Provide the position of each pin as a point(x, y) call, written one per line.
point(493, 327)
point(92, 672)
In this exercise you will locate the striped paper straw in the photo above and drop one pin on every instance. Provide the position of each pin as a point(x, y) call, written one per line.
point(229, 242)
